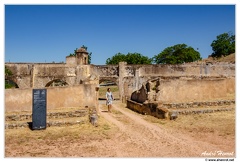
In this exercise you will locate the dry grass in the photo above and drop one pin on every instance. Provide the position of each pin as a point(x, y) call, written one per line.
point(220, 123)
point(228, 58)
point(23, 136)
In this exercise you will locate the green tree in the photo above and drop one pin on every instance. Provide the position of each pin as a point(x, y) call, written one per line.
point(119, 57)
point(8, 73)
point(89, 57)
point(137, 58)
point(74, 53)
point(224, 45)
point(177, 54)
point(130, 58)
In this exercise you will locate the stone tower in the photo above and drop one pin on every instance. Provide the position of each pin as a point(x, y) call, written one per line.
point(82, 56)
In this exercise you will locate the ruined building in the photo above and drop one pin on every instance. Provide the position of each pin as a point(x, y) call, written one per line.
point(143, 84)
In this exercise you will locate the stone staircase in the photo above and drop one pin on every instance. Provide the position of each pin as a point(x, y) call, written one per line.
point(200, 107)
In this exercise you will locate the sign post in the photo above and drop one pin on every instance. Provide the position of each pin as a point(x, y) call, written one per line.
point(39, 112)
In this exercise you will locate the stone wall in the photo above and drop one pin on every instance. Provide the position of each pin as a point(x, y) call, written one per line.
point(130, 78)
point(194, 89)
point(71, 60)
point(107, 73)
point(185, 89)
point(38, 75)
point(44, 73)
point(190, 69)
point(21, 74)
point(57, 97)
point(140, 96)
point(28, 75)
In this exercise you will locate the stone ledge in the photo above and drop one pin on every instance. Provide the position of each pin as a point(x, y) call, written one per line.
point(49, 124)
point(51, 115)
point(198, 104)
point(162, 111)
point(203, 111)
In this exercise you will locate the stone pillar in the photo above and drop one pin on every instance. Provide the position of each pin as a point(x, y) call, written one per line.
point(33, 77)
point(137, 80)
point(34, 72)
point(97, 96)
point(122, 74)
point(207, 69)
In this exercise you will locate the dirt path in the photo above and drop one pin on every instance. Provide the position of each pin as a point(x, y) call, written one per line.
point(139, 138)
point(122, 133)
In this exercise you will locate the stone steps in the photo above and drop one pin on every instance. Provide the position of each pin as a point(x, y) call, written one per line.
point(51, 115)
point(199, 104)
point(25, 124)
point(200, 110)
point(24, 120)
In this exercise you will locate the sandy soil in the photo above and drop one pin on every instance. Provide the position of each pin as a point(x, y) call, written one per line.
point(122, 133)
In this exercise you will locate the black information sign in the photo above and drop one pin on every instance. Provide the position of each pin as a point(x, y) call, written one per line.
point(39, 112)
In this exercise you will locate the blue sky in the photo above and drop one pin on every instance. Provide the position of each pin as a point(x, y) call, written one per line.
point(47, 33)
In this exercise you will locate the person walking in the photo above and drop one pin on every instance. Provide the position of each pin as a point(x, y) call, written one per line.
point(109, 98)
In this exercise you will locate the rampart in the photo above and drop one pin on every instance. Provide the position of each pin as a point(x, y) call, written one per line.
point(189, 82)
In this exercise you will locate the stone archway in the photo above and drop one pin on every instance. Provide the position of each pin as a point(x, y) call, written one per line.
point(10, 84)
point(56, 83)
point(108, 82)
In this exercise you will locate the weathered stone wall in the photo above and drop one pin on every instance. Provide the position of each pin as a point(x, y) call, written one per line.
point(18, 100)
point(130, 78)
point(192, 89)
point(29, 75)
point(140, 96)
point(86, 75)
point(107, 72)
point(134, 76)
point(185, 89)
point(21, 74)
point(190, 69)
point(44, 73)
point(71, 60)
point(39, 75)
point(57, 97)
